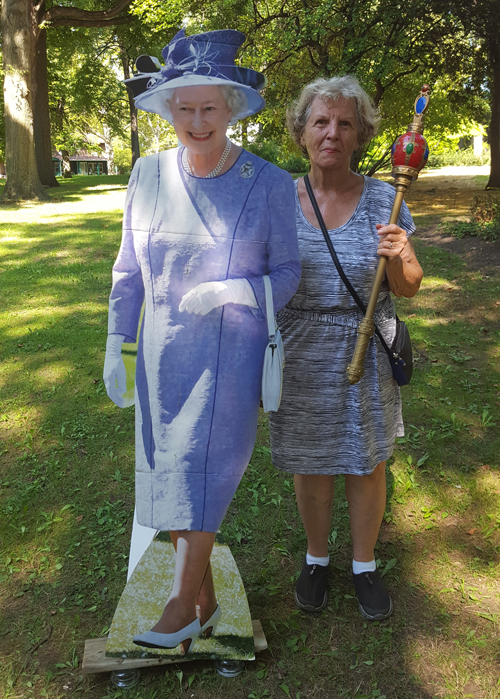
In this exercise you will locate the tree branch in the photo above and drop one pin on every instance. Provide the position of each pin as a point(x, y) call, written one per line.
point(91, 23)
point(399, 75)
point(61, 16)
point(271, 18)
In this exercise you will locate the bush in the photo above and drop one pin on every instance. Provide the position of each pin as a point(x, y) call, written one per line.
point(463, 157)
point(270, 151)
point(267, 150)
point(295, 163)
point(484, 222)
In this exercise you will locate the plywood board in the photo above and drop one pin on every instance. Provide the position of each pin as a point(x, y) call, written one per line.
point(95, 660)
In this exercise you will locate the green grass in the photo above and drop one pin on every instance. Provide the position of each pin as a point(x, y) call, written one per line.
point(66, 484)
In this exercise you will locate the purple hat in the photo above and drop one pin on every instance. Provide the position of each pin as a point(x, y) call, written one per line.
point(200, 59)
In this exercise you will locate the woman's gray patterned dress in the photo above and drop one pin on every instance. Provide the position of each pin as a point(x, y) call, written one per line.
point(325, 425)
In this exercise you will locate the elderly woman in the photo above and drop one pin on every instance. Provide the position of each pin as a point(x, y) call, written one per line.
point(325, 426)
point(203, 224)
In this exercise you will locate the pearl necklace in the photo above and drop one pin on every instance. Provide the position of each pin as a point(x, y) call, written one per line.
point(217, 169)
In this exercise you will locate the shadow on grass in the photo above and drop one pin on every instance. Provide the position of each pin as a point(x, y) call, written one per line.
point(67, 498)
point(73, 189)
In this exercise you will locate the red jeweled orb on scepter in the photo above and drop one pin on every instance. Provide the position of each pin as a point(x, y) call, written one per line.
point(409, 152)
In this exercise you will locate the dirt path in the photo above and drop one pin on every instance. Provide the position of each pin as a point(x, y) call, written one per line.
point(449, 193)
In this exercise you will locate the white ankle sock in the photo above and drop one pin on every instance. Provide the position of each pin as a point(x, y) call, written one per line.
point(363, 566)
point(317, 560)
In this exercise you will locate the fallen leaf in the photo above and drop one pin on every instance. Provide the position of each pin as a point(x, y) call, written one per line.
point(485, 467)
point(432, 556)
point(79, 518)
point(471, 531)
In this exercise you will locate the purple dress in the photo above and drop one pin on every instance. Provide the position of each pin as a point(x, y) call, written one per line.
point(198, 377)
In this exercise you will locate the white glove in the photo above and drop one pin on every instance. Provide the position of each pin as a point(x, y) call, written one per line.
point(209, 295)
point(114, 374)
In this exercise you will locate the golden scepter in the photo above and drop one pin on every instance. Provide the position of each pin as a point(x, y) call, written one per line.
point(409, 155)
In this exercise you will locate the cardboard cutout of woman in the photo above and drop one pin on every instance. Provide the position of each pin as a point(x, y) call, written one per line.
point(202, 224)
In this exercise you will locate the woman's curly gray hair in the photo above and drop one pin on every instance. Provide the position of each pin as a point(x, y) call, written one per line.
point(236, 101)
point(367, 116)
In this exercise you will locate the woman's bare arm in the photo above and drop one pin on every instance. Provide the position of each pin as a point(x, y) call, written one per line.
point(403, 270)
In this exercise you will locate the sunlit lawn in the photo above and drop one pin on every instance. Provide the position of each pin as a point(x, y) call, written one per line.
point(66, 483)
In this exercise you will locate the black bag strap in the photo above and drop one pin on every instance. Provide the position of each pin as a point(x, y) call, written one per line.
point(335, 259)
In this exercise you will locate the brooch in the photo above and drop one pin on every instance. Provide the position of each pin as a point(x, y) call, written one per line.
point(247, 169)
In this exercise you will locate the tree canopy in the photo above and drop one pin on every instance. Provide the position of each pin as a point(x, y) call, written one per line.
point(392, 47)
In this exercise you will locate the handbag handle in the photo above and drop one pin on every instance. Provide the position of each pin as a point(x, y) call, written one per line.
point(271, 322)
point(335, 259)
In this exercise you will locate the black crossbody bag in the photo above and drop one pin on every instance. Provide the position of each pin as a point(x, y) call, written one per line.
point(400, 352)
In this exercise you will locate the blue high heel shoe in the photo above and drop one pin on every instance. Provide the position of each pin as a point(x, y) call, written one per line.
point(153, 639)
point(209, 627)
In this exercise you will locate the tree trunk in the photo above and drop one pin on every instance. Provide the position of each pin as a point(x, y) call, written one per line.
point(18, 41)
point(43, 145)
point(106, 132)
point(134, 126)
point(494, 130)
point(134, 131)
point(65, 164)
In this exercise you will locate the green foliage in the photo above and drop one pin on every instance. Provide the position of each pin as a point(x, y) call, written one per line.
point(86, 96)
point(295, 163)
point(155, 133)
point(484, 222)
point(160, 16)
point(392, 48)
point(458, 156)
point(122, 156)
point(270, 151)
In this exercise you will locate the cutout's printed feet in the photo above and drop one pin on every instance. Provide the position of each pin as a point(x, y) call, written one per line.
point(185, 637)
point(210, 626)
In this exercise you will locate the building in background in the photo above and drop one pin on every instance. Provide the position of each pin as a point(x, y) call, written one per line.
point(82, 163)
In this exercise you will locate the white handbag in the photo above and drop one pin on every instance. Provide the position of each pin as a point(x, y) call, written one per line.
point(274, 357)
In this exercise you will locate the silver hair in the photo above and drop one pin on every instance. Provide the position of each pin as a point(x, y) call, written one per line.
point(236, 101)
point(367, 115)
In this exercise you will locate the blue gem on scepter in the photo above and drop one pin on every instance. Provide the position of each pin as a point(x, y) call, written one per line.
point(421, 104)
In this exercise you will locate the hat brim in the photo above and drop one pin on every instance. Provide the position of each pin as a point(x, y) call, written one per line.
point(153, 100)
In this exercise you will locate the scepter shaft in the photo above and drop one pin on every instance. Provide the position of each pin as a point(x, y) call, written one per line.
point(409, 155)
point(382, 263)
